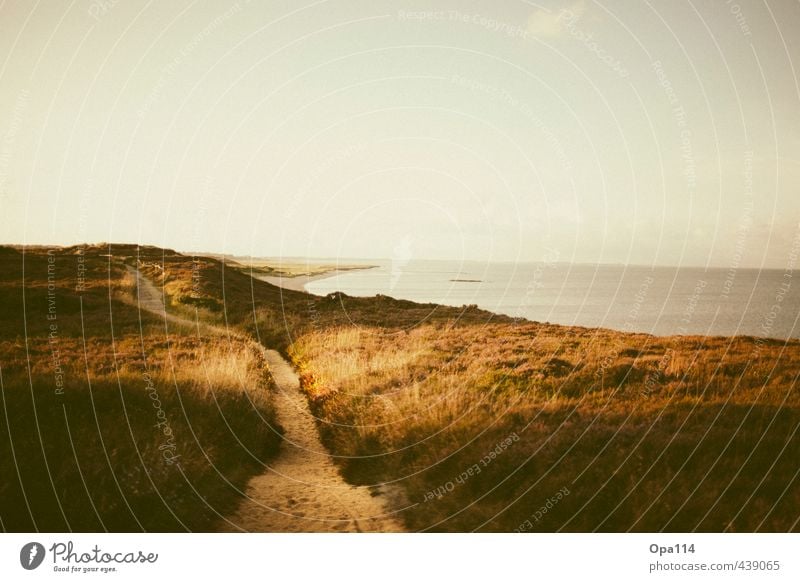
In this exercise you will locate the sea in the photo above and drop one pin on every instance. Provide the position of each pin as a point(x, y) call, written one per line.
point(659, 301)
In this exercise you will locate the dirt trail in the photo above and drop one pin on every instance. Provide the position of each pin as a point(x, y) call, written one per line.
point(151, 298)
point(302, 490)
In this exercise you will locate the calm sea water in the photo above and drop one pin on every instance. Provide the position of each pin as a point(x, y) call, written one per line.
point(662, 301)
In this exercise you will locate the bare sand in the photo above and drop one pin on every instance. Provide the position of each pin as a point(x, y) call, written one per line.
point(299, 282)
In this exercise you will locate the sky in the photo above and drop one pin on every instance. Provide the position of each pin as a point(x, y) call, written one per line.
point(655, 133)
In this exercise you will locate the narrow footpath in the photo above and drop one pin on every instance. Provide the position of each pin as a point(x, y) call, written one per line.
point(301, 490)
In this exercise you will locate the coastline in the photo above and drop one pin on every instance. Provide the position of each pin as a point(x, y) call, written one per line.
point(299, 282)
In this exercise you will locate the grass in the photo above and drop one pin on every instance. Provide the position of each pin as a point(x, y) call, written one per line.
point(111, 422)
point(483, 422)
point(647, 433)
point(704, 439)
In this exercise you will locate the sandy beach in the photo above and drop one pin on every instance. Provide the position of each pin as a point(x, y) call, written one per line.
point(299, 282)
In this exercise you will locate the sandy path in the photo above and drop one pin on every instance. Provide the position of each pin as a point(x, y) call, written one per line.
point(302, 490)
point(151, 298)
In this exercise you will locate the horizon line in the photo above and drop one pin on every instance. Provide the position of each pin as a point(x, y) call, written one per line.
point(217, 254)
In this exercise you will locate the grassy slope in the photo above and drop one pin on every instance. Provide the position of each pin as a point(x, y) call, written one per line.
point(98, 454)
point(702, 438)
point(644, 433)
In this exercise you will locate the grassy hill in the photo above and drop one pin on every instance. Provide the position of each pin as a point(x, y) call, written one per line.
point(483, 422)
point(110, 420)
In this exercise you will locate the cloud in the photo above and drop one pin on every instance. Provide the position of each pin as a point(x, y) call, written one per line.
point(546, 23)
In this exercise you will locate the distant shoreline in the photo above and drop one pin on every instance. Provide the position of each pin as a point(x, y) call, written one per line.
point(299, 282)
point(637, 299)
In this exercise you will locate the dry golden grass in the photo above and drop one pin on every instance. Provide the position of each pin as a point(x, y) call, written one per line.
point(645, 433)
point(632, 424)
point(137, 429)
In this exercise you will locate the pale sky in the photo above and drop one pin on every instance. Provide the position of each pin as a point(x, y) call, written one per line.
point(631, 132)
